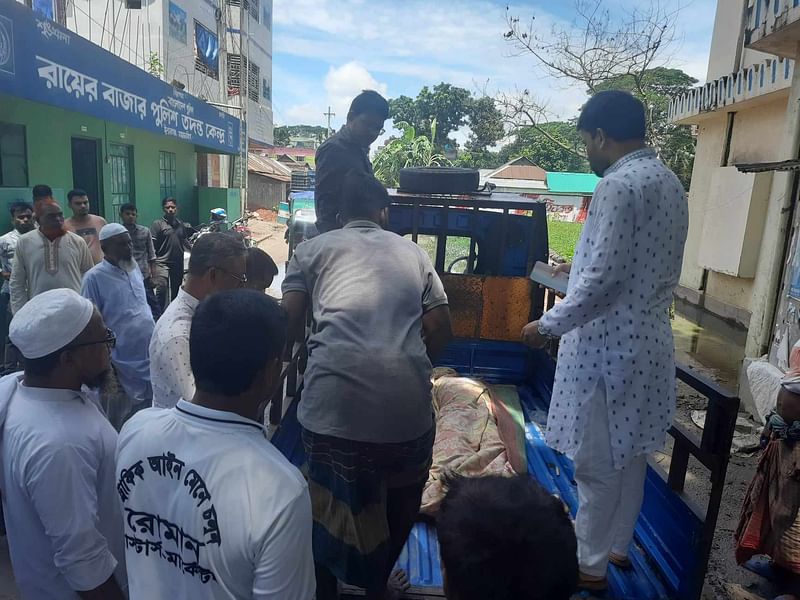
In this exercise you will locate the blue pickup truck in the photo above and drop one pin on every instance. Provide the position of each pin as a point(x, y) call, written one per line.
point(493, 240)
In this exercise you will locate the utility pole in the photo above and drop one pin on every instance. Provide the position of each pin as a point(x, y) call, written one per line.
point(244, 92)
point(329, 114)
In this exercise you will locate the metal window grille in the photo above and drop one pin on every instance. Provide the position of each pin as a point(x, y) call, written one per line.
point(168, 173)
point(13, 156)
point(120, 157)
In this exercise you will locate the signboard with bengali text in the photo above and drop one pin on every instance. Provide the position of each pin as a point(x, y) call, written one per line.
point(44, 62)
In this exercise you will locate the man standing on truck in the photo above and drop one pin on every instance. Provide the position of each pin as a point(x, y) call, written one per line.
point(366, 412)
point(345, 151)
point(614, 391)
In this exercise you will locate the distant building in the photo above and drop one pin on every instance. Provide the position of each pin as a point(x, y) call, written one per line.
point(567, 194)
point(268, 182)
point(295, 158)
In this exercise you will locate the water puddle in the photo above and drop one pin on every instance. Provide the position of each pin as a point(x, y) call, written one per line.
point(704, 340)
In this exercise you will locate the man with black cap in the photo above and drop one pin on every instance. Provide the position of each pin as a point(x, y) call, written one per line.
point(57, 450)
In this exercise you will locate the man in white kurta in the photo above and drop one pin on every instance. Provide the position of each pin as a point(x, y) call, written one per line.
point(614, 391)
point(64, 521)
point(49, 258)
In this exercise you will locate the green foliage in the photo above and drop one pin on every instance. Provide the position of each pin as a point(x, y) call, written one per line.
point(538, 145)
point(284, 133)
point(563, 237)
point(450, 107)
point(655, 88)
point(409, 150)
point(479, 159)
point(154, 65)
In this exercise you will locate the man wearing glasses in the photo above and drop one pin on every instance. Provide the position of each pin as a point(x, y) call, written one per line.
point(63, 515)
point(116, 287)
point(218, 263)
point(347, 150)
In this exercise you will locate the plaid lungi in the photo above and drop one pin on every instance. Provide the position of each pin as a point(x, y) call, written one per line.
point(349, 482)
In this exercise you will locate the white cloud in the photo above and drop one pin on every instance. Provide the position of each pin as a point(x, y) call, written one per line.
point(343, 83)
point(398, 47)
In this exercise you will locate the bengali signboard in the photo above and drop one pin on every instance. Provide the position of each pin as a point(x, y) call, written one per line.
point(43, 62)
point(565, 208)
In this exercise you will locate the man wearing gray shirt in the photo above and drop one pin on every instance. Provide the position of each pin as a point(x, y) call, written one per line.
point(379, 317)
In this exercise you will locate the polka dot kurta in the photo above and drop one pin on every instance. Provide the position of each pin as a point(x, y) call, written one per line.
point(614, 321)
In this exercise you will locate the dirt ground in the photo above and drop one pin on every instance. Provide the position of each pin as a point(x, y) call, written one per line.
point(725, 579)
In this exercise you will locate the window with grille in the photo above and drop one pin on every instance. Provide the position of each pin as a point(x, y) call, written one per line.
point(167, 173)
point(13, 156)
point(251, 6)
point(235, 77)
point(120, 158)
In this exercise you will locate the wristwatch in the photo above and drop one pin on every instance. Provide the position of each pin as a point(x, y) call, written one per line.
point(544, 332)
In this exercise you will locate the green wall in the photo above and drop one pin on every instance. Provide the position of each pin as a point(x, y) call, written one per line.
point(227, 198)
point(49, 131)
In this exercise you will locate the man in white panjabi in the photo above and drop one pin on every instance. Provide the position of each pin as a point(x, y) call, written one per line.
point(57, 448)
point(614, 391)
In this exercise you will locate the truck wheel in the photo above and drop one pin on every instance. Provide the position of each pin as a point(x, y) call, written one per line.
point(439, 180)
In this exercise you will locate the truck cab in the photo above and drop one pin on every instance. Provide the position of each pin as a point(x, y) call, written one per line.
point(484, 246)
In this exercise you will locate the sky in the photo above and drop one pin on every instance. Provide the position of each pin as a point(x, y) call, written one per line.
point(327, 51)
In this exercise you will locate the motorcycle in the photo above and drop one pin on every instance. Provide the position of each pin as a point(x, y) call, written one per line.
point(218, 222)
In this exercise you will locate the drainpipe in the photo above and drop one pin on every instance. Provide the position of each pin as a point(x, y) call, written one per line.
point(783, 194)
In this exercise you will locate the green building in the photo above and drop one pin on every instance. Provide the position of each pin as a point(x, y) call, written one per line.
point(75, 116)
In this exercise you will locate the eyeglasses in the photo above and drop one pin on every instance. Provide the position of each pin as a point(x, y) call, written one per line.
point(240, 278)
point(110, 341)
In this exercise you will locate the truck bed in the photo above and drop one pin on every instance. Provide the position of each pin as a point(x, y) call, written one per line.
point(498, 362)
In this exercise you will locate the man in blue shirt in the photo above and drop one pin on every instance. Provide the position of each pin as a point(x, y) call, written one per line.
point(115, 286)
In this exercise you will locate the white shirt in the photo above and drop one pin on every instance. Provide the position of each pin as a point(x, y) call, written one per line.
point(170, 371)
point(59, 491)
point(212, 481)
point(614, 321)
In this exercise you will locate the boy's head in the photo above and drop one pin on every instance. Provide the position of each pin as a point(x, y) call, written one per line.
point(505, 538)
point(364, 198)
point(261, 269)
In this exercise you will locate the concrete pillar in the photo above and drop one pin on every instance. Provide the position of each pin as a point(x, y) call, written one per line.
point(770, 261)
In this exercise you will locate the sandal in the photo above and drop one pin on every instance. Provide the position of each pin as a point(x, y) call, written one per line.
point(592, 583)
point(620, 561)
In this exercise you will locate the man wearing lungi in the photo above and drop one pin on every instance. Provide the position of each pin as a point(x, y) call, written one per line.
point(614, 392)
point(379, 316)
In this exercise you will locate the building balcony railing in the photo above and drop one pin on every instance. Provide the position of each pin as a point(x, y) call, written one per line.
point(773, 26)
point(748, 83)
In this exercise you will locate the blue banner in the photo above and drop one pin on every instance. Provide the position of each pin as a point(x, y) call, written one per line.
point(43, 62)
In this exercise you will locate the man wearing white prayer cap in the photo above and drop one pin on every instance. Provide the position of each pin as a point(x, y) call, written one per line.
point(116, 288)
point(57, 449)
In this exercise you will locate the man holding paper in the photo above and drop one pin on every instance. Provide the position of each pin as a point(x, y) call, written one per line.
point(614, 391)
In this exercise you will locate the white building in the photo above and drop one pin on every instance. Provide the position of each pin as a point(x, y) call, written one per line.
point(195, 44)
point(742, 256)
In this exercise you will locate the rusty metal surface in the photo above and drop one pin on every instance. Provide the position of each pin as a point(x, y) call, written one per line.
point(486, 307)
point(465, 296)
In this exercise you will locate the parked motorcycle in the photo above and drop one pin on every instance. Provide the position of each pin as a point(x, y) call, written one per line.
point(218, 222)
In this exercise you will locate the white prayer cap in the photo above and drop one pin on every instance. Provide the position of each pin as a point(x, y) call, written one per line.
point(111, 230)
point(791, 382)
point(49, 321)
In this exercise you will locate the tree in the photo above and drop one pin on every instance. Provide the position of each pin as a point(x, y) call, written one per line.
point(284, 133)
point(655, 88)
point(537, 144)
point(451, 107)
point(485, 124)
point(409, 150)
point(603, 51)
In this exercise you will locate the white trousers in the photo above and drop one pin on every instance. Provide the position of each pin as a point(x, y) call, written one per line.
point(609, 499)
